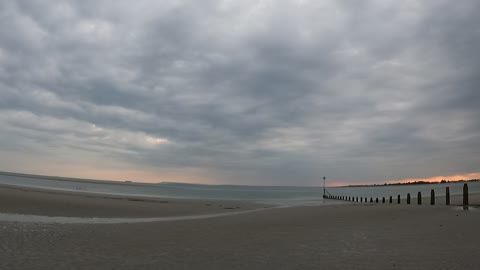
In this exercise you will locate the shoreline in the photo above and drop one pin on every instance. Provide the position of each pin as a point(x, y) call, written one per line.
point(118, 233)
point(44, 202)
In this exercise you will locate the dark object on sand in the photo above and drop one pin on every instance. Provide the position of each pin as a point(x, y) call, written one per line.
point(447, 196)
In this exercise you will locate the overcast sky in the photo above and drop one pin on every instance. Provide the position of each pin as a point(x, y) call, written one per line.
point(240, 92)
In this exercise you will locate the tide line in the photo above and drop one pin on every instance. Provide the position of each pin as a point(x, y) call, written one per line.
point(10, 217)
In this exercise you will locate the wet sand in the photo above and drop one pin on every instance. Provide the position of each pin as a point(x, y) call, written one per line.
point(56, 203)
point(347, 236)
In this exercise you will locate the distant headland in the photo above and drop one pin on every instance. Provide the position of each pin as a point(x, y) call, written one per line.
point(420, 182)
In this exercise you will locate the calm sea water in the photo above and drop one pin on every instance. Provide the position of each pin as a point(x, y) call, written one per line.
point(281, 195)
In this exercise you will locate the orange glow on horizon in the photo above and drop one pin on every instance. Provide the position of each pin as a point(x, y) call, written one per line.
point(438, 178)
point(185, 175)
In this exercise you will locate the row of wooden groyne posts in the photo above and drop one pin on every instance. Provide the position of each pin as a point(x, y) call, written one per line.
point(390, 199)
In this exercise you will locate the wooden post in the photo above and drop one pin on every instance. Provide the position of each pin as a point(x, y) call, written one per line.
point(432, 197)
point(465, 196)
point(408, 198)
point(383, 200)
point(376, 200)
point(371, 199)
point(419, 198)
point(356, 199)
point(398, 198)
point(447, 196)
point(391, 200)
point(366, 199)
point(361, 199)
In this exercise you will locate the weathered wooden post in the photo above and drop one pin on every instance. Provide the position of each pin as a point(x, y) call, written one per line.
point(408, 198)
point(371, 199)
point(383, 200)
point(376, 200)
point(366, 199)
point(398, 198)
point(419, 198)
point(356, 199)
point(391, 200)
point(361, 199)
point(465, 196)
point(432, 197)
point(447, 196)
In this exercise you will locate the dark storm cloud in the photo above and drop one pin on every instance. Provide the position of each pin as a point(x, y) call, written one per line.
point(264, 92)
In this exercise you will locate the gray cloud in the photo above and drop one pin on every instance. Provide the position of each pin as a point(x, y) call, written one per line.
point(254, 92)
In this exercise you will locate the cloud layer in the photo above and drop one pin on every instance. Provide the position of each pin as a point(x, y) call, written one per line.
point(245, 92)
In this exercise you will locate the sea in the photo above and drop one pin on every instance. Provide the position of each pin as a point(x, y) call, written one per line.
point(276, 195)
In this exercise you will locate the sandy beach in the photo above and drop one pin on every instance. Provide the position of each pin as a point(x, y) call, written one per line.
point(56, 203)
point(347, 236)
